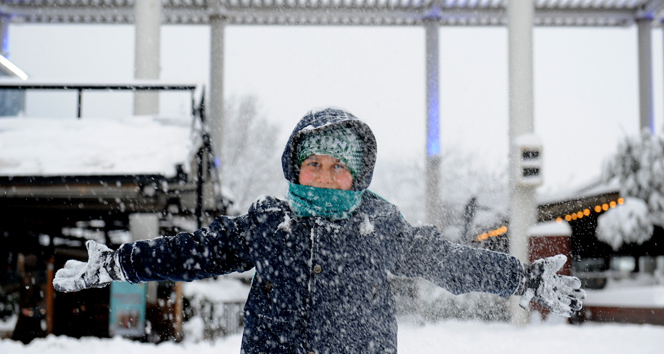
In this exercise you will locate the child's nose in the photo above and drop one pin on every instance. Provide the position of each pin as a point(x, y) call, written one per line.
point(325, 177)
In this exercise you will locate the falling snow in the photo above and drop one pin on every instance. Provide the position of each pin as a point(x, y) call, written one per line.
point(366, 227)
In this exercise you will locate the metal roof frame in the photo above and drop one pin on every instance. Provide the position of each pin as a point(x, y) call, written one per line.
point(593, 13)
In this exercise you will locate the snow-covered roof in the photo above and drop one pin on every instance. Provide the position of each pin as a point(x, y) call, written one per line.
point(550, 228)
point(595, 187)
point(32, 146)
point(587, 197)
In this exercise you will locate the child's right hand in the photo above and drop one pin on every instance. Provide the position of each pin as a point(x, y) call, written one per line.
point(100, 270)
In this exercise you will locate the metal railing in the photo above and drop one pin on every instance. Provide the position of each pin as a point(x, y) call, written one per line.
point(103, 87)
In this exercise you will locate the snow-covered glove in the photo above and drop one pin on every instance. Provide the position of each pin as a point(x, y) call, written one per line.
point(100, 270)
point(559, 293)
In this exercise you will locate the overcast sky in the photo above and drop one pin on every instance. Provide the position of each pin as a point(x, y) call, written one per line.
point(586, 88)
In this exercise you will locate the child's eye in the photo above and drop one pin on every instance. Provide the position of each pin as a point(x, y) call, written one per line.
point(313, 163)
point(340, 166)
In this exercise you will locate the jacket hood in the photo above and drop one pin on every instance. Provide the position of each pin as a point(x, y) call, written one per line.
point(330, 118)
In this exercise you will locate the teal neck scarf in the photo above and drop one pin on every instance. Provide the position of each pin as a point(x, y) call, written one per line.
point(334, 204)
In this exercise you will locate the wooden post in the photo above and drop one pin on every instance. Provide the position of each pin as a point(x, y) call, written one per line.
point(178, 311)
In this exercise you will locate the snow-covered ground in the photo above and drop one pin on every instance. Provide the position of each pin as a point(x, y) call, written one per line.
point(445, 337)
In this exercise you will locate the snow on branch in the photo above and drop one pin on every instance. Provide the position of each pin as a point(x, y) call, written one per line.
point(638, 166)
point(627, 224)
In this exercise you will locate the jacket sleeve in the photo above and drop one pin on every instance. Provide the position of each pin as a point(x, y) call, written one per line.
point(218, 249)
point(423, 252)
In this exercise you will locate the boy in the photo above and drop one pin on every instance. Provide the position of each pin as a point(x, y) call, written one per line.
point(323, 255)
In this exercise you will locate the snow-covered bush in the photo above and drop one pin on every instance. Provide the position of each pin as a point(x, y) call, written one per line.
point(213, 319)
point(194, 329)
point(216, 305)
point(627, 224)
point(638, 165)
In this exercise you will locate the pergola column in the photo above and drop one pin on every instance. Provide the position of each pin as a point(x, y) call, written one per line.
point(216, 97)
point(4, 35)
point(644, 31)
point(147, 54)
point(522, 198)
point(433, 124)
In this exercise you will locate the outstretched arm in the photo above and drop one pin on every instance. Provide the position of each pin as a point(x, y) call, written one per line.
point(423, 252)
point(461, 269)
point(219, 249)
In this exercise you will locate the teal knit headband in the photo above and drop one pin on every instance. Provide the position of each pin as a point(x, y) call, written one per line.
point(340, 143)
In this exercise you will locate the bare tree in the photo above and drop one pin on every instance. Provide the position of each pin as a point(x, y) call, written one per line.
point(402, 183)
point(251, 157)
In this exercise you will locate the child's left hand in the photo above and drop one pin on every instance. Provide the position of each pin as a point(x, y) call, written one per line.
point(559, 293)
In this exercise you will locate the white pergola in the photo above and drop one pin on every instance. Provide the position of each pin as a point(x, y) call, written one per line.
point(335, 12)
point(518, 15)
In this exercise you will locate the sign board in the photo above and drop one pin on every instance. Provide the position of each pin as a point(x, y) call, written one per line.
point(528, 158)
point(127, 316)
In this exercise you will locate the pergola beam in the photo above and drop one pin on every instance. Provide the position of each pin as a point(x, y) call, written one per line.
point(602, 13)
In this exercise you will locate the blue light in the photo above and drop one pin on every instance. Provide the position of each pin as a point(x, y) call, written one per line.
point(5, 36)
point(433, 129)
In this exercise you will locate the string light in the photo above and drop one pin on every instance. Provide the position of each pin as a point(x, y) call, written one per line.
point(586, 212)
point(493, 233)
point(569, 217)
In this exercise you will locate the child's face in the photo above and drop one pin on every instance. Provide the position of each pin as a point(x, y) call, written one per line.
point(324, 171)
